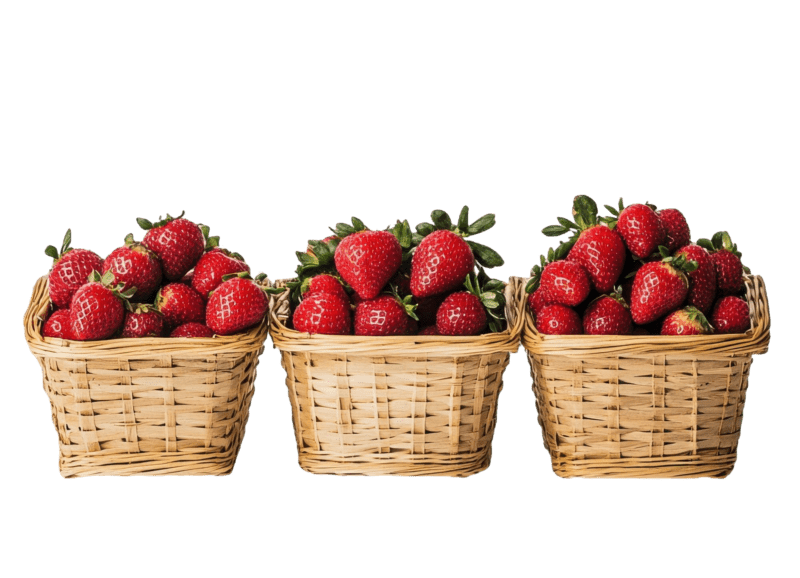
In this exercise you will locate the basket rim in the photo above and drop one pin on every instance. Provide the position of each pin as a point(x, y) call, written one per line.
point(754, 341)
point(143, 347)
point(286, 339)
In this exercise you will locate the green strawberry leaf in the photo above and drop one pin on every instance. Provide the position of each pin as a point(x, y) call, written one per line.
point(463, 219)
point(485, 256)
point(554, 230)
point(425, 229)
point(485, 223)
point(441, 220)
point(51, 251)
point(144, 224)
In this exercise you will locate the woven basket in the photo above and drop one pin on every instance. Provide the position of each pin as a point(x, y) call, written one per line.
point(644, 406)
point(416, 405)
point(149, 406)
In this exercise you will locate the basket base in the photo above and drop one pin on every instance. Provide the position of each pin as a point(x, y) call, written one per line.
point(146, 464)
point(660, 467)
point(393, 464)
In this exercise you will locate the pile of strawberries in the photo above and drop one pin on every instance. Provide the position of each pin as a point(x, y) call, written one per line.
point(395, 282)
point(177, 282)
point(637, 272)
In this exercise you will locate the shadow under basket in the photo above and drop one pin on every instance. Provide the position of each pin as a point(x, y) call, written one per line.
point(645, 406)
point(148, 406)
point(405, 405)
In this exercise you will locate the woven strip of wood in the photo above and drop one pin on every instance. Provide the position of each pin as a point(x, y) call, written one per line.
point(644, 406)
point(150, 406)
point(412, 405)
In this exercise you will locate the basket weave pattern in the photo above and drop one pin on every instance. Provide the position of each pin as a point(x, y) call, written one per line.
point(423, 405)
point(657, 406)
point(146, 406)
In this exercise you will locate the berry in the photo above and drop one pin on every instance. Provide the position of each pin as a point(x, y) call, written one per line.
point(134, 265)
point(727, 262)
point(178, 242)
point(57, 325)
point(238, 304)
point(213, 266)
point(565, 282)
point(676, 227)
point(324, 284)
point(366, 260)
point(539, 299)
point(192, 330)
point(461, 313)
point(429, 330)
point(558, 320)
point(384, 315)
point(322, 313)
point(731, 314)
point(179, 304)
point(640, 228)
point(441, 262)
point(143, 321)
point(687, 321)
point(607, 315)
point(660, 287)
point(71, 270)
point(97, 310)
point(703, 280)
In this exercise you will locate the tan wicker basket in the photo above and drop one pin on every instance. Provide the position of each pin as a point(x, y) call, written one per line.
point(151, 406)
point(417, 405)
point(644, 406)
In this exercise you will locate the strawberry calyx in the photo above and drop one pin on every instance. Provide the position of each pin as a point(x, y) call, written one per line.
point(316, 261)
point(342, 230)
point(54, 253)
point(211, 242)
point(557, 254)
point(490, 292)
point(584, 213)
point(118, 290)
point(616, 295)
point(485, 256)
point(139, 308)
point(147, 225)
point(721, 241)
point(695, 316)
point(612, 221)
point(404, 302)
point(404, 236)
point(679, 263)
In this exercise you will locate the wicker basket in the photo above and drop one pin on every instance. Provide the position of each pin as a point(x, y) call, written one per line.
point(423, 405)
point(644, 406)
point(149, 406)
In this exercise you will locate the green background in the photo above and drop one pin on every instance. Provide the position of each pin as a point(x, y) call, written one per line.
point(271, 121)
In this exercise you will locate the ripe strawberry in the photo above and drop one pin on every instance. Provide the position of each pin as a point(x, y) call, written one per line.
point(412, 326)
point(429, 330)
point(539, 299)
point(97, 310)
point(461, 313)
point(179, 304)
point(366, 260)
point(238, 304)
point(599, 249)
point(143, 321)
point(324, 284)
point(660, 287)
point(57, 325)
point(676, 227)
point(71, 269)
point(731, 314)
point(384, 315)
point(178, 242)
point(607, 315)
point(558, 320)
point(687, 321)
point(703, 280)
point(441, 262)
point(565, 282)
point(192, 330)
point(639, 226)
point(134, 265)
point(322, 313)
point(213, 266)
point(727, 262)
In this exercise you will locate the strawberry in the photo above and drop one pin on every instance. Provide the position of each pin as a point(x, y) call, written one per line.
point(71, 269)
point(57, 325)
point(727, 262)
point(322, 313)
point(429, 330)
point(213, 266)
point(412, 326)
point(461, 313)
point(558, 320)
point(703, 280)
point(324, 284)
point(134, 265)
point(731, 314)
point(366, 260)
point(179, 304)
point(687, 321)
point(97, 310)
point(566, 282)
point(192, 330)
point(676, 227)
point(660, 287)
point(178, 242)
point(599, 249)
point(238, 304)
point(538, 299)
point(143, 321)
point(639, 226)
point(384, 315)
point(608, 315)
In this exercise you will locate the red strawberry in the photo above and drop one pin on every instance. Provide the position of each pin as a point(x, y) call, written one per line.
point(192, 330)
point(179, 304)
point(213, 266)
point(607, 315)
point(179, 243)
point(134, 265)
point(324, 284)
point(384, 315)
point(412, 326)
point(238, 304)
point(71, 269)
point(687, 321)
point(640, 228)
point(565, 282)
point(461, 313)
point(558, 320)
point(703, 280)
point(322, 313)
point(676, 227)
point(727, 262)
point(429, 330)
point(366, 260)
point(143, 321)
point(97, 310)
point(57, 325)
point(441, 262)
point(660, 287)
point(539, 299)
point(731, 314)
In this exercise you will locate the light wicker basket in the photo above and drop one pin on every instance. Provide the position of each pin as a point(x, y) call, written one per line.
point(150, 406)
point(644, 406)
point(415, 405)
